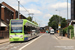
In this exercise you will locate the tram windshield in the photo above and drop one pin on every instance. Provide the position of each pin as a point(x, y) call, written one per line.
point(16, 26)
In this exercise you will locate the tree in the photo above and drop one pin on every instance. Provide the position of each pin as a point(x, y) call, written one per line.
point(54, 21)
point(70, 27)
point(63, 23)
point(29, 18)
point(35, 22)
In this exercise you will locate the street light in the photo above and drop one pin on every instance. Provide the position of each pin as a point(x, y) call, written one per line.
point(67, 18)
point(59, 17)
point(59, 25)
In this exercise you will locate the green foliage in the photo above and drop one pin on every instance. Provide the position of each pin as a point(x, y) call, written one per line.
point(63, 23)
point(72, 33)
point(72, 30)
point(35, 22)
point(65, 31)
point(29, 18)
point(68, 28)
point(54, 21)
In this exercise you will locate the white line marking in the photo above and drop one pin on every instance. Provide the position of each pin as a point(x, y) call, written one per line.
point(30, 42)
point(54, 37)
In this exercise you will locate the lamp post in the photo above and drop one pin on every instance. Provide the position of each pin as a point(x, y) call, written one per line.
point(59, 25)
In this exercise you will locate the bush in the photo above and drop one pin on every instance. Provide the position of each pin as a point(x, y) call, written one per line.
point(72, 33)
point(65, 30)
point(70, 27)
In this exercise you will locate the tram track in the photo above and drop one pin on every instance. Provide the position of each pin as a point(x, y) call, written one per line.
point(8, 46)
point(14, 45)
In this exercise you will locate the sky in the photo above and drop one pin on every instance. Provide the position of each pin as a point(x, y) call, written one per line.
point(42, 9)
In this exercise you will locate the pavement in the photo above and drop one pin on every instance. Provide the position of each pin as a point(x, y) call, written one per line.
point(61, 37)
point(4, 40)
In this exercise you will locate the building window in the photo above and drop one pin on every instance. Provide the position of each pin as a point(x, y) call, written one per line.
point(2, 28)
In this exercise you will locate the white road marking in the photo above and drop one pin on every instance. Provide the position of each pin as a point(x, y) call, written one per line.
point(30, 42)
point(54, 37)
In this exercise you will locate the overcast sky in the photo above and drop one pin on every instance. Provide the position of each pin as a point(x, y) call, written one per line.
point(42, 9)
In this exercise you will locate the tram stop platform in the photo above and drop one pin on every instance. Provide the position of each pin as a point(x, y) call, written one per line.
point(4, 40)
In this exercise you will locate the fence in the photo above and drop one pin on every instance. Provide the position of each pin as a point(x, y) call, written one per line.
point(4, 34)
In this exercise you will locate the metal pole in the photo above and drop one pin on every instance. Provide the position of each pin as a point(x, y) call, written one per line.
point(67, 17)
point(59, 17)
point(18, 8)
point(32, 16)
point(67, 9)
point(0, 22)
point(59, 24)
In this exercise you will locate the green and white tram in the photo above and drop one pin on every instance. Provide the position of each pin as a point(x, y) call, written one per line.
point(22, 30)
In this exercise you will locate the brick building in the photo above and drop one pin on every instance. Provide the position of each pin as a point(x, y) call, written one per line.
point(6, 14)
point(15, 15)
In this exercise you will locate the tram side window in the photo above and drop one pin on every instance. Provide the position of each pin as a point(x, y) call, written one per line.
point(26, 29)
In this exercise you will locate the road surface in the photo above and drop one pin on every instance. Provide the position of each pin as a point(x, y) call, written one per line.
point(50, 42)
point(43, 42)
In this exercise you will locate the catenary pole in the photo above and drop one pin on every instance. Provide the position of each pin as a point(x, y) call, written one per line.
point(18, 8)
point(67, 9)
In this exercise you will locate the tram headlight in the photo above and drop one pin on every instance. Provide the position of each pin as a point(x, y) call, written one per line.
point(21, 36)
point(11, 37)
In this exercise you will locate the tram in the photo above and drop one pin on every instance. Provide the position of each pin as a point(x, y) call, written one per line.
point(22, 30)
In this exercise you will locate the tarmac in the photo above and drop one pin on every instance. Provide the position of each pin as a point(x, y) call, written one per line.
point(56, 35)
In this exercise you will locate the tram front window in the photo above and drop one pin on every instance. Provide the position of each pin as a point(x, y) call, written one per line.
point(16, 26)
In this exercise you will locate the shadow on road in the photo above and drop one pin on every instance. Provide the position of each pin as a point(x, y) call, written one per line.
point(51, 34)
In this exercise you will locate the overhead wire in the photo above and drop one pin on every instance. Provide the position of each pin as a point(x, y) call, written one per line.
point(23, 7)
